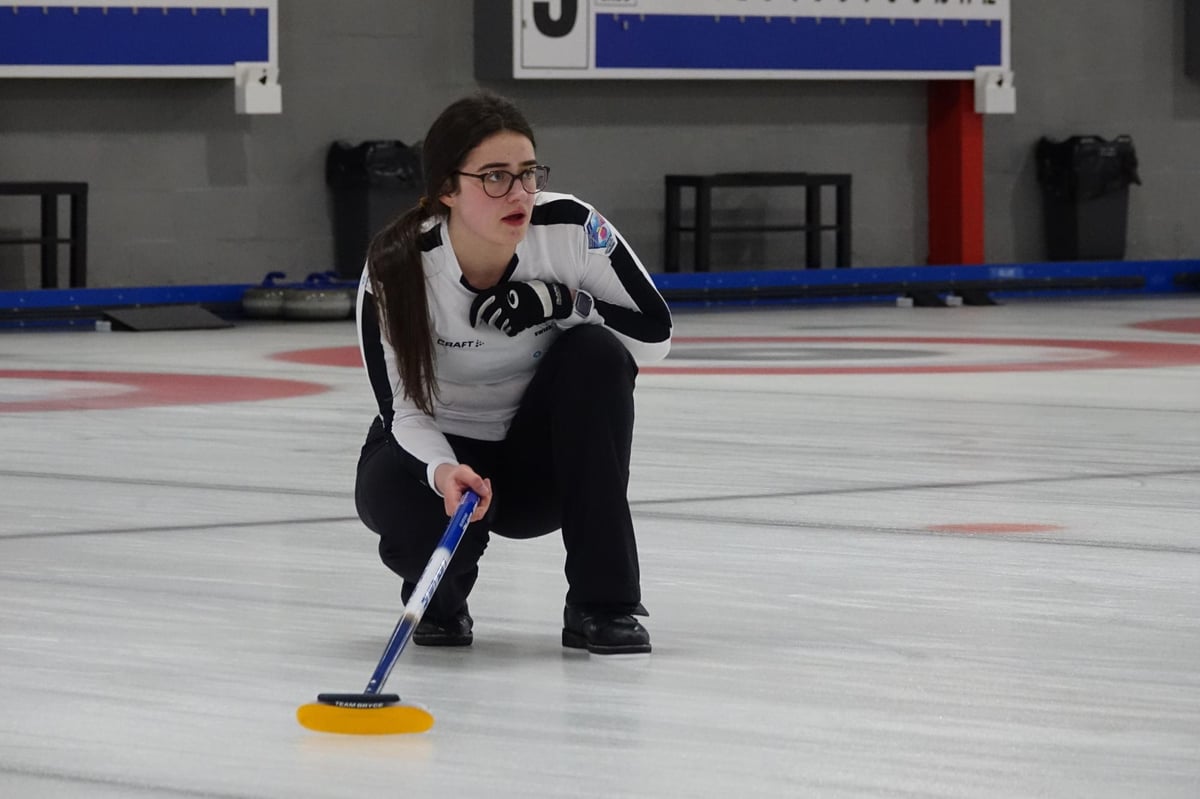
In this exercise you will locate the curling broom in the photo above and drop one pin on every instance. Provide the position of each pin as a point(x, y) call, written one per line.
point(373, 713)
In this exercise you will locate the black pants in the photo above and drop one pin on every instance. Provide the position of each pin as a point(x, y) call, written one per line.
point(563, 465)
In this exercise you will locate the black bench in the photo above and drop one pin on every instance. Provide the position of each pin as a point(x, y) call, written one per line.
point(49, 238)
point(703, 228)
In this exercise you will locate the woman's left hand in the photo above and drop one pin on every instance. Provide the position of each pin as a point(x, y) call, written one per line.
point(514, 306)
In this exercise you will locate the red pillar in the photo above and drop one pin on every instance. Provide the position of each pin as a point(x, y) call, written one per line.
point(955, 142)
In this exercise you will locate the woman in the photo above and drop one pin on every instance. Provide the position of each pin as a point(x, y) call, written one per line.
point(499, 325)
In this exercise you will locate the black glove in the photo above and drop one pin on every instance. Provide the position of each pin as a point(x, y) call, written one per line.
point(513, 307)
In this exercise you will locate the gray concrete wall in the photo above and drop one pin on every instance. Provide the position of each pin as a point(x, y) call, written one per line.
point(185, 191)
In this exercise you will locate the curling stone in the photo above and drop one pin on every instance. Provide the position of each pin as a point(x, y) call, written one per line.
point(318, 298)
point(352, 296)
point(265, 301)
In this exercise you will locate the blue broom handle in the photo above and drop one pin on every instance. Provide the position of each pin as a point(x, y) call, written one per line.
point(428, 583)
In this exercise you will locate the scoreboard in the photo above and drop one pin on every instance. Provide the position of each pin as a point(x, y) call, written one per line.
point(235, 39)
point(135, 39)
point(741, 39)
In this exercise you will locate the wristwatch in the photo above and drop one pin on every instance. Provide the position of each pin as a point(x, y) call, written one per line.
point(583, 304)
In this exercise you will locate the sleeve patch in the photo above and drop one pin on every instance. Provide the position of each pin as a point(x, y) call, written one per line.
point(599, 233)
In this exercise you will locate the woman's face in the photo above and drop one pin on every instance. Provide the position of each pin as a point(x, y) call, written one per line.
point(497, 221)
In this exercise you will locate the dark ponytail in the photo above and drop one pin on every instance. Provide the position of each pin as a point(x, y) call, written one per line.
point(398, 283)
point(394, 258)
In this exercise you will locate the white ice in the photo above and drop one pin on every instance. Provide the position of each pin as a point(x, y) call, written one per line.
point(175, 581)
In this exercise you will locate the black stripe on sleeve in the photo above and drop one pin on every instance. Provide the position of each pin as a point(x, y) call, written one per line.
point(651, 322)
point(375, 361)
point(381, 385)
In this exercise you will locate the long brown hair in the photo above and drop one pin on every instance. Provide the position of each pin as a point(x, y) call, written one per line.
point(394, 257)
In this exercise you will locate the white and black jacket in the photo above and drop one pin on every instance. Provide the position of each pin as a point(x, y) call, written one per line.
point(481, 372)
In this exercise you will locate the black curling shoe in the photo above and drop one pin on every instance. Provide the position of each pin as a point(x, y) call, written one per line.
point(605, 631)
point(438, 632)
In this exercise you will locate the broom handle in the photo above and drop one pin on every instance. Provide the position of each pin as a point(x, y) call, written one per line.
point(428, 583)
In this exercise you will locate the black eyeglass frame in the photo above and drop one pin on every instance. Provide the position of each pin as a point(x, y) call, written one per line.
point(535, 170)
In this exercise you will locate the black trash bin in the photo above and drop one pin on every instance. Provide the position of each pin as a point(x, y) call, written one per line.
point(371, 183)
point(1085, 195)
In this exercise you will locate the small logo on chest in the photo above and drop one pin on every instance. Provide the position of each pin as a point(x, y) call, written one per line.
point(460, 345)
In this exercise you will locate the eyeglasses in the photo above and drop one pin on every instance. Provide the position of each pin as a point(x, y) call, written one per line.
point(498, 183)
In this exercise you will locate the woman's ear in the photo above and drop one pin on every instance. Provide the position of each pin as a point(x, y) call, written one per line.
point(449, 195)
